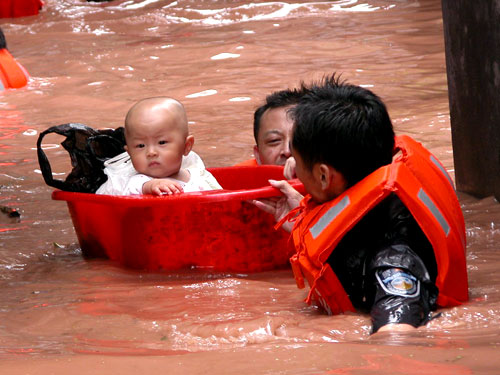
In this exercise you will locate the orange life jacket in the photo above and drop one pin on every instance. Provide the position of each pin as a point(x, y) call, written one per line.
point(247, 163)
point(12, 74)
point(424, 187)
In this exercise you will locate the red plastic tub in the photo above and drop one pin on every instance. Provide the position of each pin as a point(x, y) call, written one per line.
point(213, 229)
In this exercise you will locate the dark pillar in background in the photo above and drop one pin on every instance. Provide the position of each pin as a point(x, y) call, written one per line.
point(472, 40)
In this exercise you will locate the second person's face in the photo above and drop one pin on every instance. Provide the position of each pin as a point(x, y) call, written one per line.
point(273, 143)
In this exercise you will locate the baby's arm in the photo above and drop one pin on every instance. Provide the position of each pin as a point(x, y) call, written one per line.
point(159, 186)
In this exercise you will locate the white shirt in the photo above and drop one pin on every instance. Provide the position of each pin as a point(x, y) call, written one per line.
point(123, 179)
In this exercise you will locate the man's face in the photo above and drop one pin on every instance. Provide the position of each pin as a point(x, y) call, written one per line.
point(274, 137)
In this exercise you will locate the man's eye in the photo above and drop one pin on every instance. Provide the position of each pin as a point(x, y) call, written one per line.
point(273, 141)
point(162, 142)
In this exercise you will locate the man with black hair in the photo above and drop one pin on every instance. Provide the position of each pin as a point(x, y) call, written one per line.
point(272, 128)
point(358, 245)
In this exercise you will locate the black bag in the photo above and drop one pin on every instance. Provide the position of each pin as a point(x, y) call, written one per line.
point(88, 149)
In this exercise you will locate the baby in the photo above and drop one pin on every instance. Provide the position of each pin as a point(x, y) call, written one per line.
point(159, 159)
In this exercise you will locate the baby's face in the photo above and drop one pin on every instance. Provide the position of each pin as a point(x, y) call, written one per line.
point(156, 146)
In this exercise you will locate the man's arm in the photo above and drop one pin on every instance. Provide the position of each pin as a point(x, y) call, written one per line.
point(403, 292)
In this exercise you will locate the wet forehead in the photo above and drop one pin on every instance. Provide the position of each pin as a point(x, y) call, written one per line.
point(275, 121)
point(156, 118)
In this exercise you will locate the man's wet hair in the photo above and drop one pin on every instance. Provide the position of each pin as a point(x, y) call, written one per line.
point(277, 99)
point(344, 126)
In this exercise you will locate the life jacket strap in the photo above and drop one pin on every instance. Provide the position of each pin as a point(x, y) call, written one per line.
point(297, 272)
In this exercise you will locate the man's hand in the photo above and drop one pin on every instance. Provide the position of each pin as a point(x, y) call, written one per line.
point(279, 207)
point(159, 186)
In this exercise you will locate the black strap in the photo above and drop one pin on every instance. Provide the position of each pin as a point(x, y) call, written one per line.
point(88, 149)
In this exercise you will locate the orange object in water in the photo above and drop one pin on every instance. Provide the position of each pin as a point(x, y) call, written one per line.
point(247, 163)
point(216, 229)
point(19, 8)
point(423, 185)
point(12, 74)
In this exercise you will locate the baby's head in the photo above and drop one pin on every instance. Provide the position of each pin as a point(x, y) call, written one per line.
point(156, 133)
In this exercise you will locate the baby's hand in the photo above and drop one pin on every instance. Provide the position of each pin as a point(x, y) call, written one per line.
point(289, 170)
point(159, 186)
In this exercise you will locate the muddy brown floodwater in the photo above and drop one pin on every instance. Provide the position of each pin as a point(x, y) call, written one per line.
point(60, 313)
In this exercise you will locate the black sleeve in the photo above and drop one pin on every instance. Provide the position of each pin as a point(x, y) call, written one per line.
point(403, 291)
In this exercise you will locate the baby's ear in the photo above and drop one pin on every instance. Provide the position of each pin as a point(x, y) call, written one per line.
point(188, 146)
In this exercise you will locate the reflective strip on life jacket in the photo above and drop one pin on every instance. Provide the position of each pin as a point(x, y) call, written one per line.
point(422, 195)
point(424, 187)
point(443, 171)
point(329, 216)
point(436, 177)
